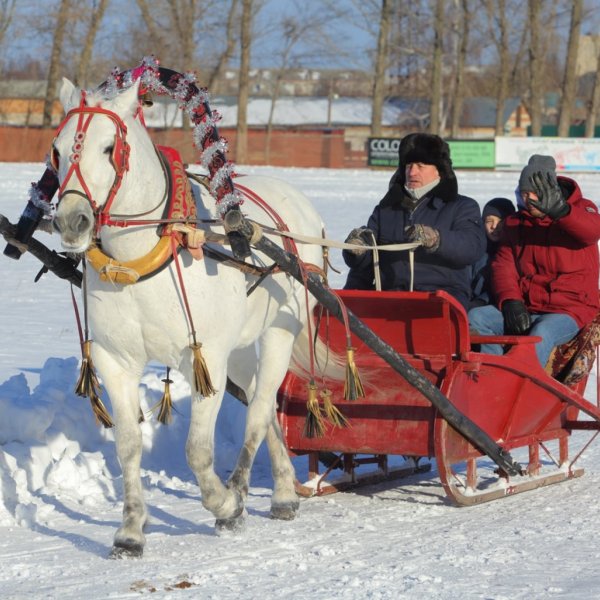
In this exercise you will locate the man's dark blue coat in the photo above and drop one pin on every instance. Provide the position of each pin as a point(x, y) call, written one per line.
point(462, 243)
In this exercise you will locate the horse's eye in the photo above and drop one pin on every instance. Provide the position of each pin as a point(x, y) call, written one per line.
point(54, 158)
point(109, 150)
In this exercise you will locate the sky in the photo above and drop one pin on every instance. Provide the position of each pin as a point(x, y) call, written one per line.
point(60, 483)
point(351, 34)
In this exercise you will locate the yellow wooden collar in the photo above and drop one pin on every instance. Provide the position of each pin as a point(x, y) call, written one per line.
point(181, 206)
point(130, 271)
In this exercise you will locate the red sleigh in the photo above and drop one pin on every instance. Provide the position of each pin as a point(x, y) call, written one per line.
point(510, 397)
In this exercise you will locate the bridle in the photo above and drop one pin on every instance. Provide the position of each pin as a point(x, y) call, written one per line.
point(119, 158)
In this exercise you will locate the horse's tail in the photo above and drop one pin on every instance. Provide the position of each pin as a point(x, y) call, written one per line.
point(312, 355)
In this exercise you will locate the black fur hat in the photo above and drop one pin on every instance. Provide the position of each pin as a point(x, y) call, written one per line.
point(424, 148)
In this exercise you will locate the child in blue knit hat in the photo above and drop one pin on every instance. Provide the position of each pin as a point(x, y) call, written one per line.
point(493, 215)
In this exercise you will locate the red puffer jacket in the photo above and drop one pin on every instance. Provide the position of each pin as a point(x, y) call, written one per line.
point(552, 266)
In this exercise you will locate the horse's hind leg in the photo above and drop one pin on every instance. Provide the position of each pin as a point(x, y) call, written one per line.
point(275, 352)
point(122, 387)
point(284, 501)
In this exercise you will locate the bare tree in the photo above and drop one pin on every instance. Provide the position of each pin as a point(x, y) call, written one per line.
point(436, 69)
point(594, 103)
point(183, 17)
point(96, 15)
point(536, 68)
point(57, 44)
point(570, 77)
point(381, 65)
point(241, 146)
point(227, 53)
point(157, 37)
point(498, 31)
point(293, 31)
point(462, 33)
point(7, 10)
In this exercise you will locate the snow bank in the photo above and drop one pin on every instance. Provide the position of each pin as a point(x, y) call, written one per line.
point(51, 446)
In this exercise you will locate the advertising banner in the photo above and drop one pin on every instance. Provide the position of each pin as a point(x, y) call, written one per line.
point(472, 154)
point(383, 152)
point(571, 154)
point(465, 154)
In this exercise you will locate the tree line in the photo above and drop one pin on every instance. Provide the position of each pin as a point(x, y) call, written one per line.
point(442, 51)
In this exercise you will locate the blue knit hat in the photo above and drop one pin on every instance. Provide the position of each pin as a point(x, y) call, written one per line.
point(500, 207)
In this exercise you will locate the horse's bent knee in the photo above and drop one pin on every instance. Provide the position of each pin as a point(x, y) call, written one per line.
point(199, 460)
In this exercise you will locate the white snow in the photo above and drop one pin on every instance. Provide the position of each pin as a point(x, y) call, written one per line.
point(60, 484)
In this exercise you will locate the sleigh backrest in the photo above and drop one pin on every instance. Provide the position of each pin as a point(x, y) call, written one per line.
point(413, 323)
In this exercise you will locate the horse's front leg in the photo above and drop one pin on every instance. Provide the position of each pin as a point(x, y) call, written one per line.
point(122, 387)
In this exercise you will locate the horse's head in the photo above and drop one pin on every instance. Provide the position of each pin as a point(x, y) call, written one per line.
point(91, 156)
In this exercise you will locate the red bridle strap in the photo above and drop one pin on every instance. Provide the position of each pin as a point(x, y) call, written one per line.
point(120, 157)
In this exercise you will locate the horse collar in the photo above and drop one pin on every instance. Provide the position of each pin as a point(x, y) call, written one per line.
point(180, 207)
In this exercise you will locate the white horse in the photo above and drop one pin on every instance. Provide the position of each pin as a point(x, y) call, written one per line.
point(248, 338)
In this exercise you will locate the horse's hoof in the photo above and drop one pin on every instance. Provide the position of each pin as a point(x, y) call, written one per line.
point(230, 525)
point(126, 550)
point(284, 512)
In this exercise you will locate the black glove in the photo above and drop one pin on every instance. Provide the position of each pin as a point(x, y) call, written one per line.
point(361, 236)
point(425, 235)
point(550, 198)
point(516, 318)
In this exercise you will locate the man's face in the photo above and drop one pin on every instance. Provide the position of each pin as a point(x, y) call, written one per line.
point(533, 211)
point(419, 174)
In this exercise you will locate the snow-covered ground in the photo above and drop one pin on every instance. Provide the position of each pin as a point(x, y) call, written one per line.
point(60, 485)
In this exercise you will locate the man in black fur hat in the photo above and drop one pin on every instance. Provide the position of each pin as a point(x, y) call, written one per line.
point(422, 205)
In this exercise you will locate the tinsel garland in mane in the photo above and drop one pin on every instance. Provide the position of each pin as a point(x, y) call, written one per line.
point(194, 102)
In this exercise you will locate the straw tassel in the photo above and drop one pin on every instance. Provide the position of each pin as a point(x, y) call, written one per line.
point(313, 426)
point(332, 412)
point(165, 404)
point(88, 386)
point(353, 388)
point(201, 375)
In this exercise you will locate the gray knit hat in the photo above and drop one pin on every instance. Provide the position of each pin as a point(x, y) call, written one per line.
point(537, 163)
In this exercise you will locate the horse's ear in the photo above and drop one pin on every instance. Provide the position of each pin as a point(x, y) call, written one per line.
point(127, 101)
point(69, 95)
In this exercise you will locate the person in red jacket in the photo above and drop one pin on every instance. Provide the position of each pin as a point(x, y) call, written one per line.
point(545, 272)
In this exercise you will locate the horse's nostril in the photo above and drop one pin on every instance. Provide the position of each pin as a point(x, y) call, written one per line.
point(82, 224)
